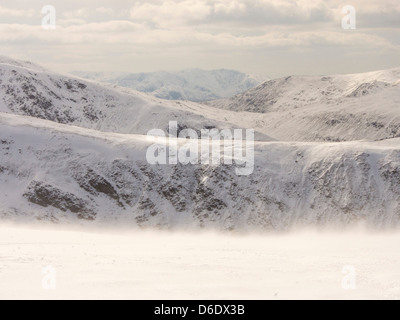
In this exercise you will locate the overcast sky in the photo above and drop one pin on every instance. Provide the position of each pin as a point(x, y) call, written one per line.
point(267, 37)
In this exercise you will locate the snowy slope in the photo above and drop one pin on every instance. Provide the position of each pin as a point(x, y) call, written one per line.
point(59, 173)
point(45, 95)
point(333, 108)
point(193, 85)
point(303, 110)
point(74, 150)
point(23, 64)
point(298, 91)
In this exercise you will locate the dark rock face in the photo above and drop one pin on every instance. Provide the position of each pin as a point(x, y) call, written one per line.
point(96, 184)
point(344, 187)
point(55, 100)
point(390, 171)
point(46, 195)
point(368, 88)
point(70, 176)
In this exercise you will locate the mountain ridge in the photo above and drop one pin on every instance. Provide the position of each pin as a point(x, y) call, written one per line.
point(327, 108)
point(61, 165)
point(341, 86)
point(191, 84)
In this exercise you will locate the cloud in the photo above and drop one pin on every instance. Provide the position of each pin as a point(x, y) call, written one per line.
point(9, 12)
point(172, 32)
point(130, 33)
point(76, 14)
point(103, 10)
point(70, 22)
point(261, 12)
point(170, 12)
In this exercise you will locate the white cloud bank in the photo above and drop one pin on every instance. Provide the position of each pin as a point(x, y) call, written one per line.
point(263, 36)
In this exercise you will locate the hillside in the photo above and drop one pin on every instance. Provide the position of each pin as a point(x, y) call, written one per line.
point(75, 151)
point(58, 173)
point(330, 108)
point(41, 94)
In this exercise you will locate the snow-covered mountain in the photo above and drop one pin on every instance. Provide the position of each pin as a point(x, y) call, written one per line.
point(329, 108)
point(192, 85)
point(4, 60)
point(59, 173)
point(41, 94)
point(75, 151)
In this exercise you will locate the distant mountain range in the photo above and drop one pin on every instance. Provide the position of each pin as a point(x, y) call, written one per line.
point(192, 85)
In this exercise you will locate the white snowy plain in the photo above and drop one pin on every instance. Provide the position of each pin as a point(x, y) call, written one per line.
point(163, 265)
